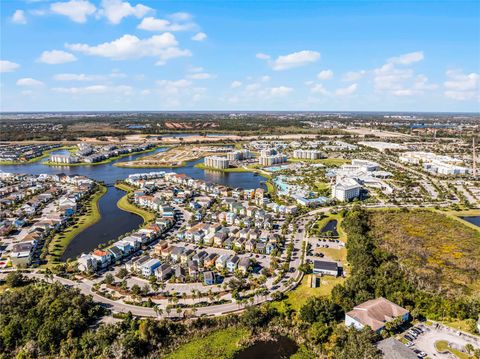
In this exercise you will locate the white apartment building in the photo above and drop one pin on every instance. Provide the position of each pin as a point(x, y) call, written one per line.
point(268, 152)
point(308, 154)
point(239, 155)
point(346, 189)
point(63, 159)
point(216, 162)
point(272, 160)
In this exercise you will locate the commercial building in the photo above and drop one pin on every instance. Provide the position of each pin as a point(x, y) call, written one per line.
point(325, 268)
point(272, 160)
point(308, 154)
point(444, 165)
point(374, 314)
point(217, 162)
point(346, 189)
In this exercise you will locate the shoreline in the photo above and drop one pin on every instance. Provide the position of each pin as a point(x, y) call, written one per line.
point(126, 206)
point(36, 159)
point(84, 222)
point(104, 162)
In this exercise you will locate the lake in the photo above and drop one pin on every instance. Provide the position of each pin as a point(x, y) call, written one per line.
point(114, 221)
point(282, 348)
point(473, 219)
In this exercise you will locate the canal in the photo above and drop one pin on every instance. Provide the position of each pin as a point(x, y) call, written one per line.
point(473, 220)
point(114, 221)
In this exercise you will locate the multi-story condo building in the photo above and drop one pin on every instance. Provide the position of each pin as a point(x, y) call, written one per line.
point(216, 162)
point(308, 154)
point(268, 152)
point(272, 160)
point(63, 159)
point(239, 155)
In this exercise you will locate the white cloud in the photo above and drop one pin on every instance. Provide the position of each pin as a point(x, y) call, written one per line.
point(116, 10)
point(199, 36)
point(262, 56)
point(94, 89)
point(325, 75)
point(76, 10)
point(163, 46)
point(352, 76)
point(401, 80)
point(295, 59)
point(76, 77)
point(180, 16)
point(173, 87)
point(195, 69)
point(200, 76)
point(265, 78)
point(18, 17)
point(55, 57)
point(236, 84)
point(346, 90)
point(280, 91)
point(462, 87)
point(8, 66)
point(29, 82)
point(319, 89)
point(153, 24)
point(407, 59)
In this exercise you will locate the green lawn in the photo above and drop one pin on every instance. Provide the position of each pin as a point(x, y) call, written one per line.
point(221, 344)
point(125, 205)
point(92, 215)
point(442, 345)
point(299, 296)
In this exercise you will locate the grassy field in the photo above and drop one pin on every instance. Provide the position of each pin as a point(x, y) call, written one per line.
point(442, 345)
point(437, 251)
point(299, 296)
point(92, 215)
point(222, 343)
point(464, 325)
point(125, 205)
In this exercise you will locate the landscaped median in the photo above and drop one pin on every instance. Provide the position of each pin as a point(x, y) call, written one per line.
point(443, 346)
point(91, 215)
point(125, 205)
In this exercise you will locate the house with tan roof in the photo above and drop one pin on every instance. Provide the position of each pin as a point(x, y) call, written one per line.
point(375, 314)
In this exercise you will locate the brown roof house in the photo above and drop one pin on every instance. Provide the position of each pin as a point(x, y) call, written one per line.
point(374, 314)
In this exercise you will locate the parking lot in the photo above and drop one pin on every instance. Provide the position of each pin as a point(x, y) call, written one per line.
point(423, 337)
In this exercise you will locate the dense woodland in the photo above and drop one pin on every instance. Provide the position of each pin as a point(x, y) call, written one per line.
point(41, 319)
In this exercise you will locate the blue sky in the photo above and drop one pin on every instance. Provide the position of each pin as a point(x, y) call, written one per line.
point(240, 55)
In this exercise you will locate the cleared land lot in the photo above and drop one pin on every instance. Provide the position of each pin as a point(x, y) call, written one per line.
point(439, 252)
point(174, 157)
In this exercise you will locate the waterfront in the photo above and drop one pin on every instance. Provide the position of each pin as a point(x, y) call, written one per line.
point(114, 221)
point(282, 348)
point(473, 220)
